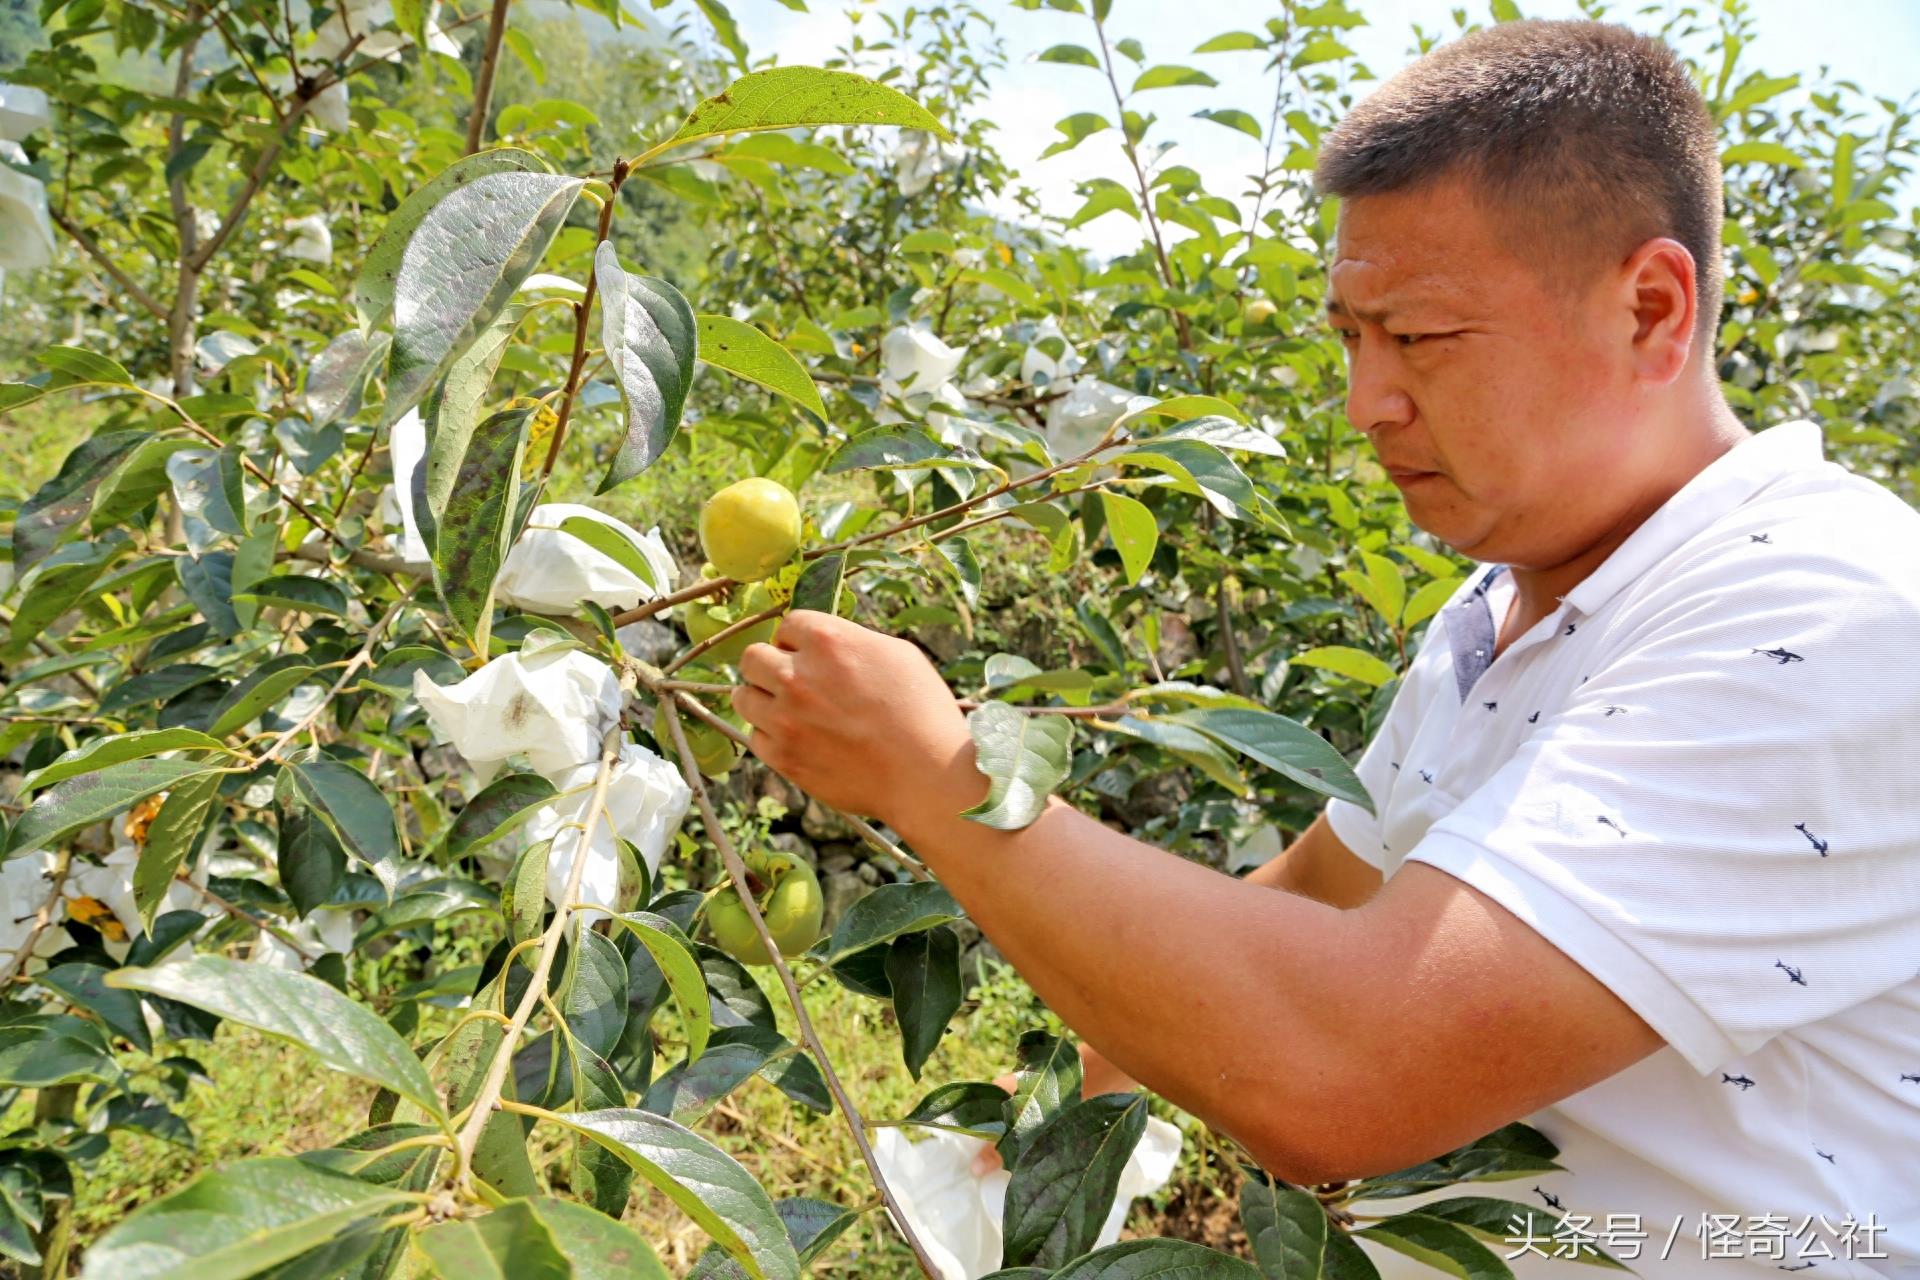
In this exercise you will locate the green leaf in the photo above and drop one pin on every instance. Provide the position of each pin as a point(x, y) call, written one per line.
point(611, 543)
point(1441, 1245)
point(1504, 10)
point(821, 585)
point(60, 505)
point(56, 584)
point(923, 970)
point(513, 797)
point(1024, 757)
point(38, 1051)
point(1356, 664)
point(84, 985)
point(1104, 196)
point(373, 291)
point(1287, 1229)
point(886, 448)
point(1071, 55)
point(259, 689)
point(1196, 748)
point(1047, 1079)
point(84, 366)
point(812, 1225)
point(1169, 76)
point(745, 352)
point(1074, 130)
point(1156, 1259)
point(508, 1244)
point(1505, 1221)
point(790, 97)
point(1231, 42)
point(460, 269)
point(173, 834)
point(114, 748)
point(725, 29)
point(310, 860)
point(475, 531)
point(973, 1107)
point(298, 592)
point(674, 956)
point(1761, 153)
point(337, 378)
point(238, 1221)
point(1063, 1184)
point(1232, 119)
point(1428, 601)
point(889, 911)
point(137, 481)
point(689, 1089)
point(706, 1183)
point(355, 810)
point(84, 800)
point(596, 1246)
point(1284, 745)
point(958, 556)
point(1135, 532)
point(452, 413)
point(650, 338)
point(1200, 469)
point(293, 1006)
point(781, 148)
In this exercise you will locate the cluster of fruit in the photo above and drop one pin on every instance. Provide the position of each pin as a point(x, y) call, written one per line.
point(749, 531)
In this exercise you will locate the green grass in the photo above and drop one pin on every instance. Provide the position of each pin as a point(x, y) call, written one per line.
point(268, 1098)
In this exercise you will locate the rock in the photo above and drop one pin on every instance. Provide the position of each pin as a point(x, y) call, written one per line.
point(837, 857)
point(649, 641)
point(822, 823)
point(968, 931)
point(841, 889)
point(776, 788)
point(1158, 795)
point(791, 842)
point(974, 963)
point(871, 874)
point(943, 640)
point(1178, 645)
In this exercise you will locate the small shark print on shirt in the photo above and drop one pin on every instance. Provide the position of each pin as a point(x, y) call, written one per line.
point(1825, 1155)
point(1744, 1082)
point(1605, 821)
point(1491, 706)
point(1793, 974)
point(1910, 1077)
point(1552, 1201)
point(1760, 537)
point(1781, 655)
point(1819, 844)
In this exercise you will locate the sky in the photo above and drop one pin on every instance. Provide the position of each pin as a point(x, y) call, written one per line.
point(1875, 43)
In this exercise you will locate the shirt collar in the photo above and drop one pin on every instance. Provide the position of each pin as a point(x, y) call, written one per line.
point(1717, 489)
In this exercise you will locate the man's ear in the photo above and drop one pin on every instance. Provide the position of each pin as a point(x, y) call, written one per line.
point(1657, 284)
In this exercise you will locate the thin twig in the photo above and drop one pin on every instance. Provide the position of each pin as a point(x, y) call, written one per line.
point(92, 249)
point(582, 310)
point(363, 658)
point(483, 80)
point(42, 918)
point(730, 858)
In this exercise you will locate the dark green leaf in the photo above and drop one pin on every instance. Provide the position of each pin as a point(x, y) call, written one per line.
point(259, 689)
point(923, 971)
point(1283, 745)
point(62, 503)
point(821, 584)
point(299, 593)
point(973, 1107)
point(1447, 1248)
point(85, 985)
point(1064, 1182)
point(1047, 1079)
point(889, 911)
point(452, 412)
point(172, 837)
point(1156, 1259)
point(337, 378)
point(885, 448)
point(650, 338)
point(356, 811)
point(114, 748)
point(81, 801)
point(311, 861)
point(292, 1006)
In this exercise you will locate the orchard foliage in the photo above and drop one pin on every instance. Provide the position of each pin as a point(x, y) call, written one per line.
point(279, 724)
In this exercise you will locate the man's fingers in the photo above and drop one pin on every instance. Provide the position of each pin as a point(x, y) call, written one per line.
point(755, 704)
point(767, 667)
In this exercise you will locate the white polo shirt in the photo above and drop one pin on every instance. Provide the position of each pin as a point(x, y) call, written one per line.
point(1699, 778)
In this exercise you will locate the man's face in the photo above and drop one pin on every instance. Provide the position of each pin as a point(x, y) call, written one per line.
point(1499, 401)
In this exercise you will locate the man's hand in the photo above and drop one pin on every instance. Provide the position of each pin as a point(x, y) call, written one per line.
point(858, 719)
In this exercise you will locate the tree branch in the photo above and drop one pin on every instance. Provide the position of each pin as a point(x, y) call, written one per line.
point(483, 81)
point(93, 250)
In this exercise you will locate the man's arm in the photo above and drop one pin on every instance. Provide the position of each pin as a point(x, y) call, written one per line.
point(1330, 1043)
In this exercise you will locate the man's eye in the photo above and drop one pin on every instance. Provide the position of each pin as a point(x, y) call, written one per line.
point(1408, 339)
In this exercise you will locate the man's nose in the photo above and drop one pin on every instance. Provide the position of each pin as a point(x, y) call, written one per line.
point(1375, 396)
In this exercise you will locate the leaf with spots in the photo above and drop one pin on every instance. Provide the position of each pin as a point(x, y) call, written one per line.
point(476, 529)
point(1284, 745)
point(1024, 758)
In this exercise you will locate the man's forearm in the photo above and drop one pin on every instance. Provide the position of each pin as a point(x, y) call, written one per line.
point(1184, 979)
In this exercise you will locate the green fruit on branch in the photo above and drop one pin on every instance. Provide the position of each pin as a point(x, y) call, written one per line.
point(714, 753)
point(704, 620)
point(790, 901)
point(1261, 311)
point(750, 528)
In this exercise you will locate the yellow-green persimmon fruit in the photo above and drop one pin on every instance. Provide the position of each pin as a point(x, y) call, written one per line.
point(750, 528)
point(733, 930)
point(793, 908)
point(714, 753)
point(1260, 311)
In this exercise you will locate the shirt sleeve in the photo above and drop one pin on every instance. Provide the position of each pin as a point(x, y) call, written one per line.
point(1723, 825)
point(1377, 770)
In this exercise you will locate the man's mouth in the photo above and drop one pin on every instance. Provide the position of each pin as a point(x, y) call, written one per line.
point(1409, 475)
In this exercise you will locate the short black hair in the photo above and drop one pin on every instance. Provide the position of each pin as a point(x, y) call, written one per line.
point(1588, 137)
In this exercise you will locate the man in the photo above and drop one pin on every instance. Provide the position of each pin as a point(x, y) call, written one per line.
point(1646, 866)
